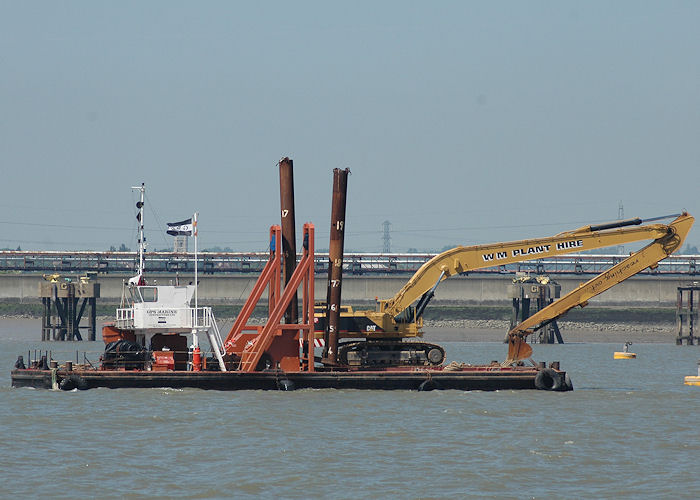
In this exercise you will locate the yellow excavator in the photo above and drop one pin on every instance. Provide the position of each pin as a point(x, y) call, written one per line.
point(382, 330)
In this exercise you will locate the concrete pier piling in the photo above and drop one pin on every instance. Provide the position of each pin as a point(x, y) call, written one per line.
point(61, 316)
point(688, 307)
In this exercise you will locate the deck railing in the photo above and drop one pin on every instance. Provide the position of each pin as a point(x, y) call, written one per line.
point(200, 318)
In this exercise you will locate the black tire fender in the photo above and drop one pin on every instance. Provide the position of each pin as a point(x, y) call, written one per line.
point(71, 382)
point(66, 384)
point(428, 385)
point(548, 380)
point(285, 385)
point(567, 382)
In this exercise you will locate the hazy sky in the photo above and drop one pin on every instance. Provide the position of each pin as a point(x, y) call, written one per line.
point(462, 122)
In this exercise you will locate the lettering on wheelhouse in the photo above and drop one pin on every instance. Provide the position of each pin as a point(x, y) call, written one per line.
point(161, 312)
point(533, 250)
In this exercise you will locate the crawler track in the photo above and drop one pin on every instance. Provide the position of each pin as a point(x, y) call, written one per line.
point(386, 353)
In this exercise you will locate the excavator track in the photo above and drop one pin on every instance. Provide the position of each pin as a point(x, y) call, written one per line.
point(390, 353)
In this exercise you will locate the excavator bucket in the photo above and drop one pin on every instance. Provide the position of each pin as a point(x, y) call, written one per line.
point(518, 349)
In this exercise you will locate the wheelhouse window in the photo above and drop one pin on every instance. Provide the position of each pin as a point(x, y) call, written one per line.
point(144, 294)
point(149, 293)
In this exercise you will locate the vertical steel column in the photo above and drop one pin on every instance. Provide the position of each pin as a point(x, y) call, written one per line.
point(525, 309)
point(70, 312)
point(691, 317)
point(335, 266)
point(289, 245)
point(93, 318)
point(514, 314)
point(46, 319)
point(308, 299)
point(60, 332)
point(679, 316)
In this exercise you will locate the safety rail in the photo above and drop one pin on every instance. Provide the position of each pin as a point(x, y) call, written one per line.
point(200, 318)
point(209, 322)
point(42, 359)
point(125, 318)
point(36, 358)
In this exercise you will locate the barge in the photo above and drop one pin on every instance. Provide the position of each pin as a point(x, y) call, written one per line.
point(154, 342)
point(155, 338)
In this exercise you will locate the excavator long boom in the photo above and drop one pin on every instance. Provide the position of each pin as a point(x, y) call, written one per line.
point(649, 256)
point(377, 334)
point(463, 259)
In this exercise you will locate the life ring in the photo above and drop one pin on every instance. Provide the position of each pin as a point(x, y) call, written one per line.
point(71, 382)
point(548, 380)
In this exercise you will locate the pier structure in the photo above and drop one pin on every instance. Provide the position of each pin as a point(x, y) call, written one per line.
point(687, 313)
point(530, 294)
point(357, 264)
point(61, 318)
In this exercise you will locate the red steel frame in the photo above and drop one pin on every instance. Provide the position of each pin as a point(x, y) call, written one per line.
point(280, 342)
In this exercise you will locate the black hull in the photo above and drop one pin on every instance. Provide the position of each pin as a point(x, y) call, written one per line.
point(465, 380)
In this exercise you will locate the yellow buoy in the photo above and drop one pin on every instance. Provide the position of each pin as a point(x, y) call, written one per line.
point(693, 379)
point(625, 354)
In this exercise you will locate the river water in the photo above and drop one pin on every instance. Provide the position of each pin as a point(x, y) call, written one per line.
point(628, 430)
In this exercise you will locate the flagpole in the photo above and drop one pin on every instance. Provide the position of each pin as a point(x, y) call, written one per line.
point(196, 285)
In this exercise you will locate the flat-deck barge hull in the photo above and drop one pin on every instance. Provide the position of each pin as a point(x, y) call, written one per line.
point(484, 379)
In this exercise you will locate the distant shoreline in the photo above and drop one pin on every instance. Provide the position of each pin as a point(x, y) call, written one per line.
point(495, 324)
point(436, 313)
point(494, 330)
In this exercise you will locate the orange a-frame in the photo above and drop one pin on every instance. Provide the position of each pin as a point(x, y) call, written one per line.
point(277, 345)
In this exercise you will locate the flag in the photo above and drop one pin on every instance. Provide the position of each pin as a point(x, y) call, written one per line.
point(182, 228)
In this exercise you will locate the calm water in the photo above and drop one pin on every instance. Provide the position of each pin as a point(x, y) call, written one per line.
point(630, 430)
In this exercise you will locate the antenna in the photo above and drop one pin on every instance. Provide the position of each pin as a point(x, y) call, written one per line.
point(386, 248)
